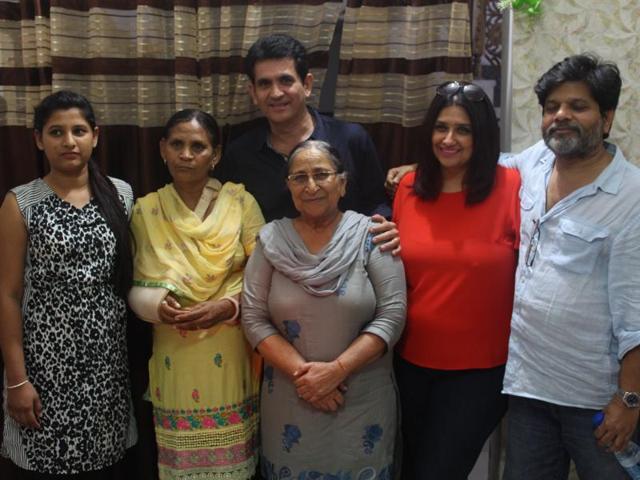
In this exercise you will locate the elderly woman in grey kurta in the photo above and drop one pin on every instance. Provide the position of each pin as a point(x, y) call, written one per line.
point(324, 307)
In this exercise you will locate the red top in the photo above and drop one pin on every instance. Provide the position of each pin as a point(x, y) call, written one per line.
point(460, 263)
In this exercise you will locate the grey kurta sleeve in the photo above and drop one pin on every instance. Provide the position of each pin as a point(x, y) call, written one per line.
point(255, 293)
point(387, 277)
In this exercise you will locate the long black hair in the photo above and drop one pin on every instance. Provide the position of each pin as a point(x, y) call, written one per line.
point(480, 175)
point(104, 192)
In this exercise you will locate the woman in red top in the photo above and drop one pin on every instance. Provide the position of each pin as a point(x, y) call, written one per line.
point(458, 217)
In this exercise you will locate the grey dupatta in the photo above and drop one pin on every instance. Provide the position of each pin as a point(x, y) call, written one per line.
point(321, 274)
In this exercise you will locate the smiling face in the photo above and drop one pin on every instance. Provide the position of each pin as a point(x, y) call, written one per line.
point(67, 140)
point(278, 91)
point(572, 124)
point(189, 154)
point(452, 139)
point(315, 199)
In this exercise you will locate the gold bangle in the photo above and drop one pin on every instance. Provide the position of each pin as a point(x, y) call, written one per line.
point(17, 385)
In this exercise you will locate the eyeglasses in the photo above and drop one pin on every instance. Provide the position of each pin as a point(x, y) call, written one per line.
point(533, 244)
point(319, 178)
point(471, 92)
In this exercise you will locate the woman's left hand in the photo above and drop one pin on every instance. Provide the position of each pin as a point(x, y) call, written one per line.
point(330, 403)
point(386, 234)
point(204, 315)
point(315, 380)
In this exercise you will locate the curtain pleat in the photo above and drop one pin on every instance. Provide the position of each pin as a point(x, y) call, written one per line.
point(138, 62)
point(392, 57)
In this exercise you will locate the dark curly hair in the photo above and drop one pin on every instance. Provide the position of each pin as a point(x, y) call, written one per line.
point(602, 78)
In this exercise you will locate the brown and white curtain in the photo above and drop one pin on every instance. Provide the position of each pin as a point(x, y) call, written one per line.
point(393, 55)
point(138, 62)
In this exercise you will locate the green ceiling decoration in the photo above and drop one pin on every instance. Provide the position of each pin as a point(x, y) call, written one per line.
point(530, 7)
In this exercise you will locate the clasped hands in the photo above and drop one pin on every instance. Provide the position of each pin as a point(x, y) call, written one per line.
point(321, 384)
point(200, 316)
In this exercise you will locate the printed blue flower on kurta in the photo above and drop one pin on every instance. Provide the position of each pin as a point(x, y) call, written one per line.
point(290, 435)
point(304, 475)
point(372, 434)
point(314, 475)
point(285, 472)
point(268, 377)
point(367, 473)
point(291, 330)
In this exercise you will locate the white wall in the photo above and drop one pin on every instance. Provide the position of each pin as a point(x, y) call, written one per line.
point(609, 28)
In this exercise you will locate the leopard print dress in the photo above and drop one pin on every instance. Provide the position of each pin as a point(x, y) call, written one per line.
point(74, 338)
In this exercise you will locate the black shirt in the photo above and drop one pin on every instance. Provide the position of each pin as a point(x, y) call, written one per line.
point(251, 161)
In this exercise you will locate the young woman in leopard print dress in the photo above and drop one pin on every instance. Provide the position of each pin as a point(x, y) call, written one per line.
point(66, 267)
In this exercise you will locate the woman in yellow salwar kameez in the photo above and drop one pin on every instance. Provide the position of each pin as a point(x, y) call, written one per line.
point(192, 239)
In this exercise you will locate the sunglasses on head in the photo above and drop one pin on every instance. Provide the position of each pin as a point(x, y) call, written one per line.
point(471, 92)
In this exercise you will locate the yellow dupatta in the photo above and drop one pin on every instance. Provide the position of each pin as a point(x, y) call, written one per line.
point(176, 250)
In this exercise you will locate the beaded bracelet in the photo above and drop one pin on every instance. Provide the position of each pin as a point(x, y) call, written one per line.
point(17, 385)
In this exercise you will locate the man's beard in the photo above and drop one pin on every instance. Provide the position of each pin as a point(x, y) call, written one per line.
point(580, 144)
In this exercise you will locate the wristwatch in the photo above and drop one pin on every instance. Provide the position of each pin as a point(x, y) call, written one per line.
point(630, 399)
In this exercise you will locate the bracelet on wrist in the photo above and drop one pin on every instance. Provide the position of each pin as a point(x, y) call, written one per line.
point(17, 385)
point(236, 306)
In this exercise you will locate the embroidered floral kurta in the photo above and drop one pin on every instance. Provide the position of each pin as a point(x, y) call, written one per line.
point(299, 442)
point(203, 384)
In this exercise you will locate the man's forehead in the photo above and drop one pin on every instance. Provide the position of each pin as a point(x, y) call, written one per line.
point(571, 91)
point(275, 67)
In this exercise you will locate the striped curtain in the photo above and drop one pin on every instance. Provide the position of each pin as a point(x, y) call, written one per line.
point(138, 62)
point(393, 55)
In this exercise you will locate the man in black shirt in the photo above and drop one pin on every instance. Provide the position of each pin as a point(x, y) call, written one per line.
point(280, 84)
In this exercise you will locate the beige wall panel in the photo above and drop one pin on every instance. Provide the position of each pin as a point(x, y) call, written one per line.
point(610, 29)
